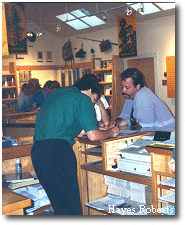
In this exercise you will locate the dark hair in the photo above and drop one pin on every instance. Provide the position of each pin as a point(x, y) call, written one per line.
point(47, 83)
point(135, 74)
point(89, 81)
point(24, 86)
point(54, 84)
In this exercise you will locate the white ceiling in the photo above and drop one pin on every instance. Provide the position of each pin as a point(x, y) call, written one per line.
point(45, 13)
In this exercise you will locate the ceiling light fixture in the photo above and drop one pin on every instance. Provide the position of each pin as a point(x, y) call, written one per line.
point(58, 27)
point(29, 34)
point(105, 16)
point(40, 33)
point(129, 11)
point(141, 9)
point(41, 30)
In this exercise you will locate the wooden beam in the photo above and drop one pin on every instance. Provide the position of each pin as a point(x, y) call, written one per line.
point(43, 67)
point(49, 67)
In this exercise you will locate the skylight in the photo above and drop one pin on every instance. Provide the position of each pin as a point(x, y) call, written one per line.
point(77, 24)
point(151, 8)
point(165, 6)
point(80, 19)
point(148, 8)
point(65, 17)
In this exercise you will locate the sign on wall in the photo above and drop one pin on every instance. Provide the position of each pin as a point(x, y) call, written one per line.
point(16, 27)
point(170, 70)
point(127, 35)
point(4, 33)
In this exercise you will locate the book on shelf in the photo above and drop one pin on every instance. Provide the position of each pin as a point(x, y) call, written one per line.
point(97, 64)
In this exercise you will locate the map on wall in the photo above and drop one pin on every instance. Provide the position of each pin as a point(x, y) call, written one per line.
point(170, 69)
point(127, 35)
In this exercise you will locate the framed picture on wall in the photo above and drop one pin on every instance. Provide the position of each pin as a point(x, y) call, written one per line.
point(49, 56)
point(39, 57)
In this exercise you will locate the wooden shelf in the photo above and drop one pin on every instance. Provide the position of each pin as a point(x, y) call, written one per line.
point(97, 167)
point(167, 187)
point(10, 78)
point(115, 69)
point(9, 74)
point(103, 82)
point(9, 99)
point(102, 70)
point(92, 153)
point(8, 87)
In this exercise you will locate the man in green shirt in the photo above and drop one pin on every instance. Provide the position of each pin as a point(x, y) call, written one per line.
point(62, 116)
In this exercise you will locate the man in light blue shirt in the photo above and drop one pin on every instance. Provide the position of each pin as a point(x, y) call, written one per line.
point(142, 106)
point(23, 96)
point(37, 95)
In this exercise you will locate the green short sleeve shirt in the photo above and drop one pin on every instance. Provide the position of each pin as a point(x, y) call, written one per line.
point(63, 114)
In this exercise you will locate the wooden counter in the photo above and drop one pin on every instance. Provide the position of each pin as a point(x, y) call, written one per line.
point(18, 124)
point(92, 167)
point(13, 204)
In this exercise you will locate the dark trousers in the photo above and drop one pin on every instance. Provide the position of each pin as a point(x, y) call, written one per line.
point(55, 165)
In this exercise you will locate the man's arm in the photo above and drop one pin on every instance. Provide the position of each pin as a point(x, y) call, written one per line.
point(104, 114)
point(98, 135)
point(23, 107)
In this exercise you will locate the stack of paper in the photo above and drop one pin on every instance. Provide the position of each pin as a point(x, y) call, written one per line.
point(15, 180)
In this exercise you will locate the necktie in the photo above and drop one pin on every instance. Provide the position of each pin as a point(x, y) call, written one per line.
point(132, 119)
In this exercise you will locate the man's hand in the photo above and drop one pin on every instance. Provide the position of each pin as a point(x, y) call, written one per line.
point(118, 122)
point(171, 164)
point(115, 131)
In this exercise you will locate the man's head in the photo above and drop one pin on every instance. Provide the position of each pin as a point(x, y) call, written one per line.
point(25, 89)
point(131, 82)
point(53, 85)
point(34, 85)
point(46, 85)
point(89, 85)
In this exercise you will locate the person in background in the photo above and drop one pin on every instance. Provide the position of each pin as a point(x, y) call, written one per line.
point(171, 164)
point(62, 116)
point(101, 106)
point(46, 85)
point(37, 95)
point(53, 85)
point(23, 96)
point(142, 107)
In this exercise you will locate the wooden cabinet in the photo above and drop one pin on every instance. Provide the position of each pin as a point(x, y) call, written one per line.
point(160, 174)
point(9, 88)
point(93, 165)
point(108, 73)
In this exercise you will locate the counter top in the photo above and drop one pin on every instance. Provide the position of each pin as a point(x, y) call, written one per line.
point(24, 147)
point(12, 202)
point(25, 119)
